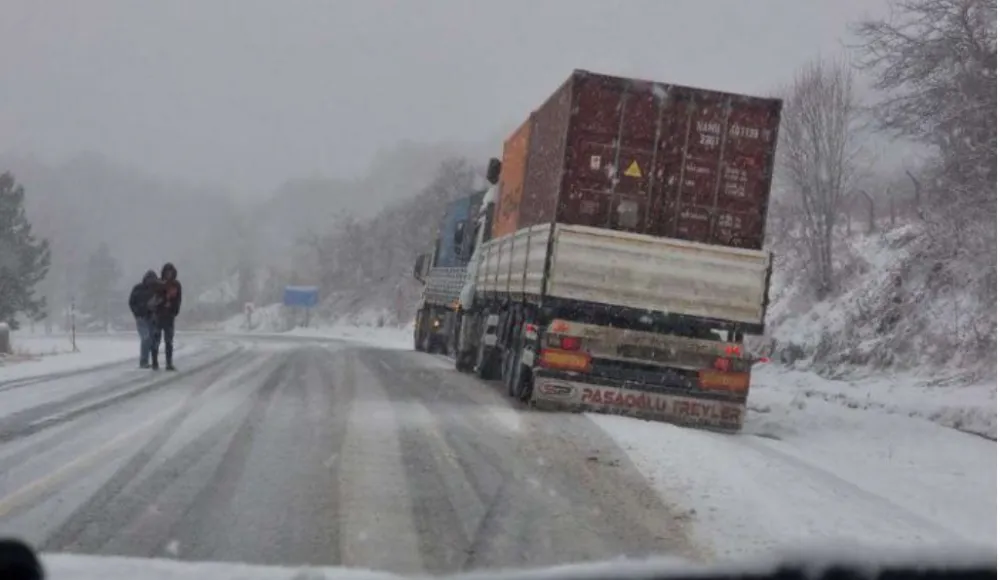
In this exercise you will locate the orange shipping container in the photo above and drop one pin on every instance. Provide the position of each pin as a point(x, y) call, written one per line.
point(515, 161)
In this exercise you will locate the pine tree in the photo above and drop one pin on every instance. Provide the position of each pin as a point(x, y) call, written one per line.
point(24, 260)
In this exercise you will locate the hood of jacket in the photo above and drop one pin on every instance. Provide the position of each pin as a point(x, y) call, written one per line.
point(169, 272)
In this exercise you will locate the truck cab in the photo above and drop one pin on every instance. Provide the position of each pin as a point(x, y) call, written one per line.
point(443, 273)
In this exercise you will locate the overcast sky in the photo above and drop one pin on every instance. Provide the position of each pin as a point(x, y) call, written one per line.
point(248, 93)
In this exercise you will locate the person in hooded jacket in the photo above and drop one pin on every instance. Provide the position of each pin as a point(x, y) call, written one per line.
point(143, 301)
point(166, 311)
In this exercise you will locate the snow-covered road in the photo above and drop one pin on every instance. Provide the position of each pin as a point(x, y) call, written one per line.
point(306, 451)
point(310, 450)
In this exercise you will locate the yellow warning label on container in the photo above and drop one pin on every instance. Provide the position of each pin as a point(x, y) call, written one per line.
point(633, 170)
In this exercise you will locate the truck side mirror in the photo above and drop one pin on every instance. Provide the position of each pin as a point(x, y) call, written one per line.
point(493, 170)
point(418, 267)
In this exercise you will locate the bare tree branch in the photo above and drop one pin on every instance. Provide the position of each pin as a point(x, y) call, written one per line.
point(819, 155)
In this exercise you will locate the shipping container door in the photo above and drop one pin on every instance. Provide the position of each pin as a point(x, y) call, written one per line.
point(745, 182)
point(609, 154)
point(691, 163)
point(716, 160)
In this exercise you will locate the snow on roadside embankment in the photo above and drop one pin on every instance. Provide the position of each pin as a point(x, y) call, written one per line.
point(36, 355)
point(362, 327)
point(822, 462)
point(897, 306)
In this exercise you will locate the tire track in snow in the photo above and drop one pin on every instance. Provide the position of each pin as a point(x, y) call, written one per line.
point(98, 519)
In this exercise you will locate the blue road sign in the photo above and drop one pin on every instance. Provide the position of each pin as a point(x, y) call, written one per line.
point(303, 296)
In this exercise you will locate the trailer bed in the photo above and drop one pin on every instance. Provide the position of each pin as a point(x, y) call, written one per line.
point(622, 269)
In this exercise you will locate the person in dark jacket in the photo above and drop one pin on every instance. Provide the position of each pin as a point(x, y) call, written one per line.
point(142, 302)
point(166, 311)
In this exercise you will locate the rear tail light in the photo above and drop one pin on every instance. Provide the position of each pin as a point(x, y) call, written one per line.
point(722, 364)
point(570, 343)
point(732, 350)
point(559, 327)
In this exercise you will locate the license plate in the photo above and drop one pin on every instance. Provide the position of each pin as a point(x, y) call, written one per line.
point(651, 353)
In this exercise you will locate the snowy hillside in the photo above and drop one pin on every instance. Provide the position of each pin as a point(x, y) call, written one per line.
point(896, 310)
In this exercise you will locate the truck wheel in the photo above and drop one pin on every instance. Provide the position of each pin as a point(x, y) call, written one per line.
point(521, 381)
point(517, 378)
point(464, 362)
point(486, 366)
point(507, 371)
point(418, 332)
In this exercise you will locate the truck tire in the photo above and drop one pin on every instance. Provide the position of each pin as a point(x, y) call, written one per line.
point(507, 371)
point(517, 377)
point(522, 381)
point(464, 362)
point(418, 331)
point(486, 363)
point(430, 342)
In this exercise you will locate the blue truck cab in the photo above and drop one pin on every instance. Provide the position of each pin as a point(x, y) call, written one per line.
point(442, 272)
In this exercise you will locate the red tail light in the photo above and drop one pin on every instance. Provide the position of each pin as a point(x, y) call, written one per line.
point(722, 364)
point(570, 343)
point(732, 349)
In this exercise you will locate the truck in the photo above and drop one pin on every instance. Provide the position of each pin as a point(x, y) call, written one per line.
point(617, 261)
point(442, 273)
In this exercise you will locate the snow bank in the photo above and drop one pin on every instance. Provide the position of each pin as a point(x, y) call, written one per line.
point(36, 355)
point(971, 408)
point(270, 318)
point(899, 308)
point(826, 463)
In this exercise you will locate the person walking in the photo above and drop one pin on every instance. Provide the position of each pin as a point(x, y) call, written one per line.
point(142, 302)
point(167, 310)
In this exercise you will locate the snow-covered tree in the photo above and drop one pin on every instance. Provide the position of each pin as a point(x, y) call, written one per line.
point(819, 149)
point(24, 259)
point(936, 63)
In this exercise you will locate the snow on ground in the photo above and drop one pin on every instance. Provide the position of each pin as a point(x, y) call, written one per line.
point(85, 567)
point(269, 318)
point(385, 337)
point(81, 567)
point(361, 327)
point(970, 408)
point(43, 354)
point(821, 462)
